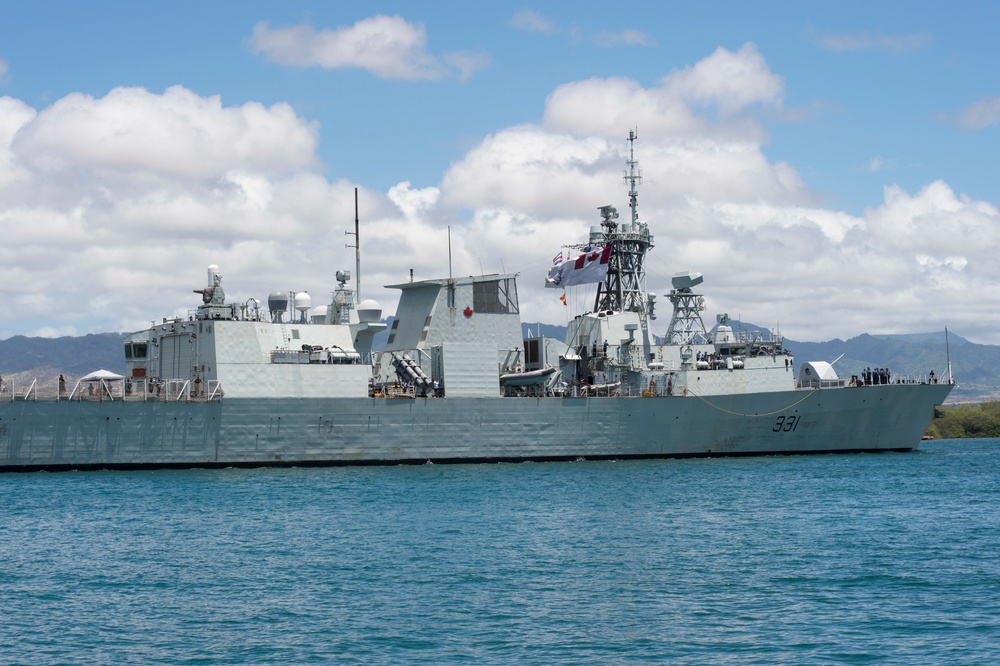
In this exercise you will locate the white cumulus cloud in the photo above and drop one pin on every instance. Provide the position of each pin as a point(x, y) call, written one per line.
point(131, 130)
point(770, 251)
point(111, 207)
point(390, 47)
point(731, 80)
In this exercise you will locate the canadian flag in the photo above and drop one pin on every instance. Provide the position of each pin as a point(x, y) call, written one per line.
point(589, 267)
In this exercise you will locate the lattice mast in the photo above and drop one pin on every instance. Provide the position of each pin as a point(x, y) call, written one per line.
point(686, 325)
point(624, 288)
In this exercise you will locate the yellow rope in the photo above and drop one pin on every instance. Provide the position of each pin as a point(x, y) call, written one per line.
point(768, 414)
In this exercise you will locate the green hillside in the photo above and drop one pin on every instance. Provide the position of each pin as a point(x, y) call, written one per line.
point(47, 358)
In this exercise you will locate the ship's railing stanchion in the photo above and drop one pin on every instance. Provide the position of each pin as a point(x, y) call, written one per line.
point(139, 389)
point(184, 391)
point(106, 390)
point(215, 390)
point(32, 390)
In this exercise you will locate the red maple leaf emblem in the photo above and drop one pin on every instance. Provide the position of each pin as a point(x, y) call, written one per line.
point(467, 311)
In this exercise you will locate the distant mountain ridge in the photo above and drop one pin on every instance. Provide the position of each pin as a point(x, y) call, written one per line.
point(976, 367)
point(47, 358)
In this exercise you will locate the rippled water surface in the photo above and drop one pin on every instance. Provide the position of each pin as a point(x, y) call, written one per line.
point(890, 558)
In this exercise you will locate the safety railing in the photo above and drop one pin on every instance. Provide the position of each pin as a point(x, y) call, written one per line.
point(111, 390)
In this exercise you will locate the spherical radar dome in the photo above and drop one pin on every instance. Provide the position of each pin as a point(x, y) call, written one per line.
point(277, 301)
point(369, 310)
point(302, 301)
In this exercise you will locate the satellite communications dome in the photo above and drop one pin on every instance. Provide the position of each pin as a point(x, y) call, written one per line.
point(302, 301)
point(277, 301)
point(369, 310)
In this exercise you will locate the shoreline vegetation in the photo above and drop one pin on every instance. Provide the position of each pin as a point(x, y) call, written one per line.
point(966, 421)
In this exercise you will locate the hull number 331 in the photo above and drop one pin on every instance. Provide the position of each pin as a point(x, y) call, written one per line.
point(786, 424)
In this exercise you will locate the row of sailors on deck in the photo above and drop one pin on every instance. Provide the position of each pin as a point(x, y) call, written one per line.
point(714, 361)
point(872, 377)
point(769, 351)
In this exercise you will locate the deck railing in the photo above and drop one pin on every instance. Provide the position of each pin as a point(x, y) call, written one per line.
point(130, 390)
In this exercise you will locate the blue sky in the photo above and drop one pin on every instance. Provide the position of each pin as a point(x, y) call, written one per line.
point(828, 167)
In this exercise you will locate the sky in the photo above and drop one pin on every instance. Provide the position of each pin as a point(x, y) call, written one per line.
point(830, 168)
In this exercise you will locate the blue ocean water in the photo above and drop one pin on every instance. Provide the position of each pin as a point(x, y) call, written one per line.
point(889, 558)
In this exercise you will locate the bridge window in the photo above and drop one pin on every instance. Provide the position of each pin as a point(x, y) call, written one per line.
point(135, 350)
point(495, 296)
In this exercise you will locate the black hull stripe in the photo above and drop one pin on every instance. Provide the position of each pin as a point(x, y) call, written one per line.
point(95, 467)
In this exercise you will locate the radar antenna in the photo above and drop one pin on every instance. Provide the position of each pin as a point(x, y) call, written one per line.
point(686, 325)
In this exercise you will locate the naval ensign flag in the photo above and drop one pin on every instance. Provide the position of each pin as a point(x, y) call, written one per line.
point(589, 267)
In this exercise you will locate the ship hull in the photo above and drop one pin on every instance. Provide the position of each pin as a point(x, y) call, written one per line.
point(345, 431)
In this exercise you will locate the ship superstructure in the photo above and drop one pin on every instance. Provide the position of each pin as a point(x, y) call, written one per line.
point(242, 384)
point(613, 347)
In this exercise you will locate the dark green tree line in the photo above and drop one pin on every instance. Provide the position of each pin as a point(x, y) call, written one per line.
point(967, 421)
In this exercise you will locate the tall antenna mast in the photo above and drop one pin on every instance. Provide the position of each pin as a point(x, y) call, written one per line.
point(357, 251)
point(632, 178)
point(947, 351)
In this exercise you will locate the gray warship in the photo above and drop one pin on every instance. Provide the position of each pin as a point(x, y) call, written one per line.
point(241, 385)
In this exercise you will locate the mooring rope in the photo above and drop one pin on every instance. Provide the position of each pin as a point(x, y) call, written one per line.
point(777, 411)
